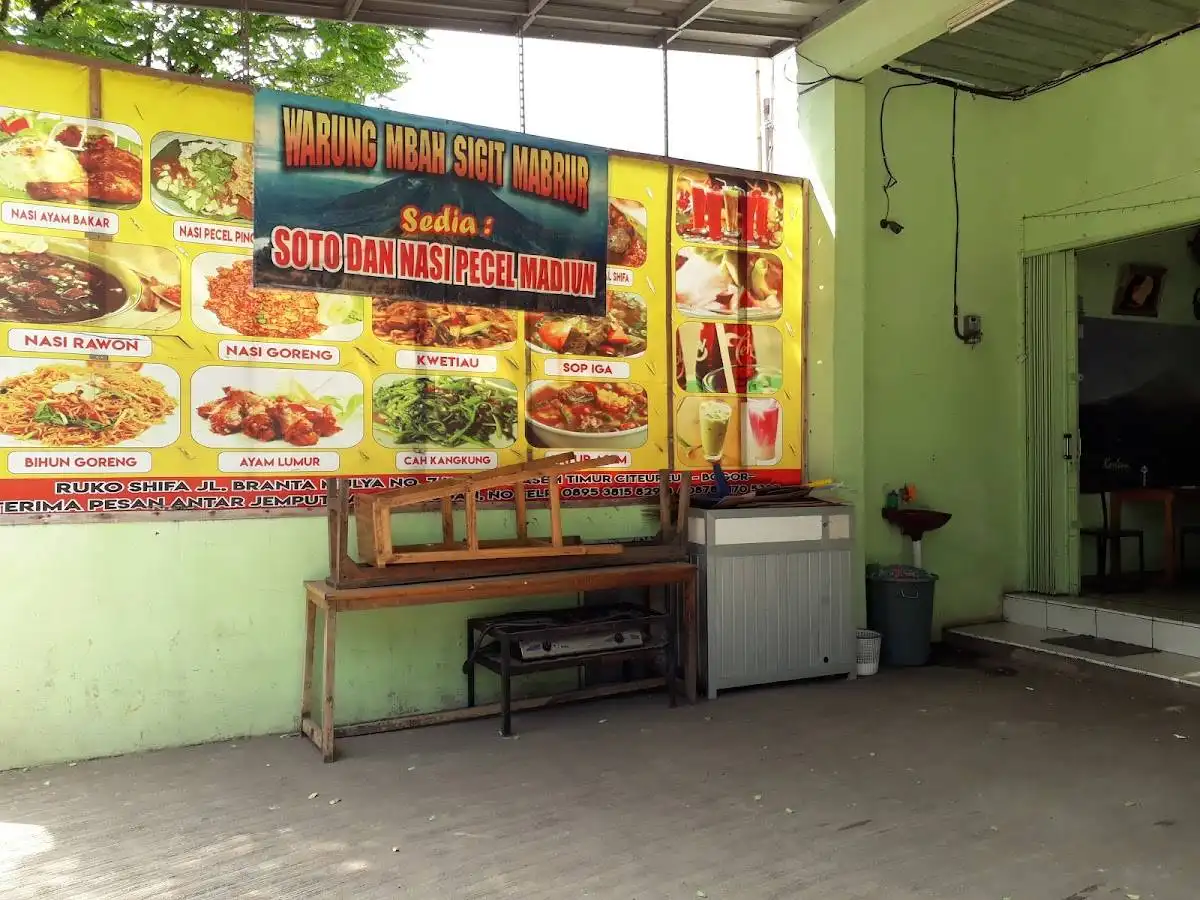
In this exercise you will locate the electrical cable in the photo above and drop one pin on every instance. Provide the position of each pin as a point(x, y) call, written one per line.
point(1108, 209)
point(890, 181)
point(1072, 209)
point(1023, 93)
point(923, 80)
point(958, 329)
point(809, 86)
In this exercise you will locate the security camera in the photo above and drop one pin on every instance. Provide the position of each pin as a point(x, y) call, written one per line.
point(891, 225)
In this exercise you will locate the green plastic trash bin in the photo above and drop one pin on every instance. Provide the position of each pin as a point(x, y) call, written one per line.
point(900, 607)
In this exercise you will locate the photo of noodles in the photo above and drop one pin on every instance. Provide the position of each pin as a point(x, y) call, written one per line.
point(63, 404)
point(224, 301)
point(415, 324)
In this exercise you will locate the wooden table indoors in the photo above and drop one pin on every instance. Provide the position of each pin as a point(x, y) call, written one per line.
point(329, 602)
point(1170, 499)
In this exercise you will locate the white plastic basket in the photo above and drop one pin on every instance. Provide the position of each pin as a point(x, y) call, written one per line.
point(869, 643)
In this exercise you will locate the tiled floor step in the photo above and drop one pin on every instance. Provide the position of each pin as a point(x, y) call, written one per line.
point(1010, 637)
point(1162, 629)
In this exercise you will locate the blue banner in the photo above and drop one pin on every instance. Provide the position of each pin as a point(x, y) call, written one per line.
point(350, 199)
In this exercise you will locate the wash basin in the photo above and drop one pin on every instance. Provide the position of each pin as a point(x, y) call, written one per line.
point(914, 523)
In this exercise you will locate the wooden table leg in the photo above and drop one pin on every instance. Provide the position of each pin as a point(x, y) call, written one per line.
point(672, 652)
point(691, 633)
point(1114, 525)
point(1170, 548)
point(447, 520)
point(327, 682)
point(310, 647)
point(522, 513)
point(505, 684)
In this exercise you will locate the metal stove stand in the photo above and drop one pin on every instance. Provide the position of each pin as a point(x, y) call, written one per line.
point(495, 644)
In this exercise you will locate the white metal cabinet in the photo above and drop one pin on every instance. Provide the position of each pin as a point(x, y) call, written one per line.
point(776, 593)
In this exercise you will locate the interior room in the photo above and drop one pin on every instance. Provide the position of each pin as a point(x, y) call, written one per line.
point(1139, 400)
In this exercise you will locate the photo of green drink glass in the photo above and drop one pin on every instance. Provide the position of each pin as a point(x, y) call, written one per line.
point(714, 425)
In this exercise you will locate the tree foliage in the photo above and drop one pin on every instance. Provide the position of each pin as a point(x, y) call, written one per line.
point(339, 60)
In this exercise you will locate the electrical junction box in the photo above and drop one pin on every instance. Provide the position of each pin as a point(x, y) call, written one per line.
point(972, 329)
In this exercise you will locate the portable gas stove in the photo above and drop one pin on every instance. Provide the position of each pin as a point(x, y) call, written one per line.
point(524, 642)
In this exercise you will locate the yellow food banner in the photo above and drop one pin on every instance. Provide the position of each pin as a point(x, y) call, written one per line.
point(142, 370)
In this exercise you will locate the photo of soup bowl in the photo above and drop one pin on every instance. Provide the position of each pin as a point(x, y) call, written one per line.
point(573, 396)
point(121, 287)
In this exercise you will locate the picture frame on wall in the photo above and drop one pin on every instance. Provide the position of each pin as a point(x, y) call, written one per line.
point(1139, 290)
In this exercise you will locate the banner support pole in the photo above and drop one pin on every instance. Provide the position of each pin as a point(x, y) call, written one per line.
point(245, 36)
point(666, 106)
point(521, 77)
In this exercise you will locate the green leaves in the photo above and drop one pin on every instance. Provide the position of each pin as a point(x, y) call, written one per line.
point(45, 414)
point(339, 60)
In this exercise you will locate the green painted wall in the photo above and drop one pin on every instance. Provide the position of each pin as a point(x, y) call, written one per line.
point(1102, 183)
point(125, 637)
point(1085, 178)
point(831, 122)
point(939, 414)
point(1051, 172)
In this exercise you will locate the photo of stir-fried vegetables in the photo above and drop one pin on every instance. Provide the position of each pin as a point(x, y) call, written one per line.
point(445, 411)
point(622, 332)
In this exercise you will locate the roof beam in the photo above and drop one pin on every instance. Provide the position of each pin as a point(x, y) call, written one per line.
point(716, 26)
point(602, 16)
point(700, 26)
point(691, 13)
point(775, 49)
point(858, 36)
point(535, 7)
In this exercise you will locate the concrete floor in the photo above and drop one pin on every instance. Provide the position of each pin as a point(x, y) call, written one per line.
point(955, 783)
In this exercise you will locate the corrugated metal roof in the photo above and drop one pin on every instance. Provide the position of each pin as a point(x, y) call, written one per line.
point(741, 27)
point(1030, 42)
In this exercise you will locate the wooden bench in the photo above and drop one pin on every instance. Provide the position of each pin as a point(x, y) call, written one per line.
point(328, 603)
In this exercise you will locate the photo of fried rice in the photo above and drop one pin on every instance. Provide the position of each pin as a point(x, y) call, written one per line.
point(258, 313)
point(224, 301)
point(92, 405)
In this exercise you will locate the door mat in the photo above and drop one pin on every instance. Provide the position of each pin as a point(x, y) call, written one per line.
point(1103, 646)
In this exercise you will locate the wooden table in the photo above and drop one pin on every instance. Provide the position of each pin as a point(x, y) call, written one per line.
point(1170, 498)
point(330, 602)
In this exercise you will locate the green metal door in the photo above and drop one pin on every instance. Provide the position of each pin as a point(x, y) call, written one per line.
point(1052, 423)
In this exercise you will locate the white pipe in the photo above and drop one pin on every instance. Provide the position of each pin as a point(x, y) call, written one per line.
point(758, 116)
point(973, 14)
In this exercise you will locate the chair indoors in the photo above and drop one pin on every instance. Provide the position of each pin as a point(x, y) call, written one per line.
point(1185, 532)
point(1108, 538)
